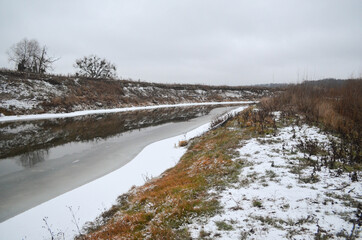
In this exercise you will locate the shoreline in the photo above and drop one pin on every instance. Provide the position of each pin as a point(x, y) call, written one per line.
point(31, 117)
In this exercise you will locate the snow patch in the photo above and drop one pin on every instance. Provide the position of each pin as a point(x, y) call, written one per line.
point(273, 202)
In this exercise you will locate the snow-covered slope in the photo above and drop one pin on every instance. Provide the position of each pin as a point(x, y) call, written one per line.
point(24, 93)
point(277, 199)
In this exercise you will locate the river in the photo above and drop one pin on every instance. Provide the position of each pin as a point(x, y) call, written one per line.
point(42, 159)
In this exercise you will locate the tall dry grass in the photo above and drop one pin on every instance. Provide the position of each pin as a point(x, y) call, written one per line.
point(339, 108)
point(336, 108)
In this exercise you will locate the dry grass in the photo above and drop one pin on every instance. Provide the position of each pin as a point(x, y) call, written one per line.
point(333, 108)
point(338, 108)
point(182, 143)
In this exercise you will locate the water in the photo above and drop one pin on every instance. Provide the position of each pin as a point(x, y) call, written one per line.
point(30, 141)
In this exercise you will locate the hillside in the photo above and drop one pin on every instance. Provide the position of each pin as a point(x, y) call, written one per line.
point(25, 93)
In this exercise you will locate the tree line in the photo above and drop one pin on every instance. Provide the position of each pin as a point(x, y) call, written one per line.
point(30, 56)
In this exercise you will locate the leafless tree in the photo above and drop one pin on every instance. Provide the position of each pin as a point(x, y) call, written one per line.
point(95, 67)
point(29, 56)
point(44, 62)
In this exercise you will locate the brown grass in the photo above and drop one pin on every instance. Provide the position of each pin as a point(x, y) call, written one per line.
point(337, 109)
point(182, 143)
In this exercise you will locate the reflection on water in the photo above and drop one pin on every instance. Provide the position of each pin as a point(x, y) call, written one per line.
point(29, 159)
point(30, 141)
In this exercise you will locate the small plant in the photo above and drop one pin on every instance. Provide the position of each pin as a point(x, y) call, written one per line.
point(76, 222)
point(322, 234)
point(204, 234)
point(48, 227)
point(257, 203)
point(223, 226)
point(286, 206)
point(182, 143)
point(313, 178)
point(244, 235)
point(271, 174)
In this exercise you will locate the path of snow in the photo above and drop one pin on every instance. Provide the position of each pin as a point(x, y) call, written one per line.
point(89, 200)
point(103, 111)
point(272, 202)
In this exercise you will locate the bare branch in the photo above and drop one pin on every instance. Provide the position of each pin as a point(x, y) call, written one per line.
point(29, 56)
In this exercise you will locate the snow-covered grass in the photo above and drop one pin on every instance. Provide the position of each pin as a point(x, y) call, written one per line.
point(277, 196)
point(27, 95)
point(55, 217)
point(104, 111)
point(25, 104)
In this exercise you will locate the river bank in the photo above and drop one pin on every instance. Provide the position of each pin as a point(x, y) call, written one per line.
point(113, 110)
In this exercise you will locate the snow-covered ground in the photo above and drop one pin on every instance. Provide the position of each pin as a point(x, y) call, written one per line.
point(276, 199)
point(27, 95)
point(88, 201)
point(103, 111)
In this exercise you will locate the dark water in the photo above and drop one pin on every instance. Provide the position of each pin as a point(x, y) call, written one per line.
point(25, 144)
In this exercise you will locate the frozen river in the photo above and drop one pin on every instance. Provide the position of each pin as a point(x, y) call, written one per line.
point(45, 158)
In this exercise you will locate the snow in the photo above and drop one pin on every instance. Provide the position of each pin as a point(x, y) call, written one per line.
point(289, 208)
point(200, 91)
point(26, 89)
point(19, 129)
point(234, 94)
point(89, 200)
point(103, 111)
point(24, 95)
point(24, 104)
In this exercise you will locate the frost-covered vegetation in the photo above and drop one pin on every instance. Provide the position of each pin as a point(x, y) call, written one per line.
point(285, 193)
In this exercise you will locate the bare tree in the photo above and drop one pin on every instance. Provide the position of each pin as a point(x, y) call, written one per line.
point(44, 61)
point(95, 67)
point(29, 56)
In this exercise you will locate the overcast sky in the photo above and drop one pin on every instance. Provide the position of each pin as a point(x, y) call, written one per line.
point(209, 42)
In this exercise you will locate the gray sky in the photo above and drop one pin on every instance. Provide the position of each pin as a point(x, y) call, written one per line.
point(193, 41)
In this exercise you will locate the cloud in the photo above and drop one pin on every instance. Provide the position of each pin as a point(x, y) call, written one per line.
point(210, 42)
